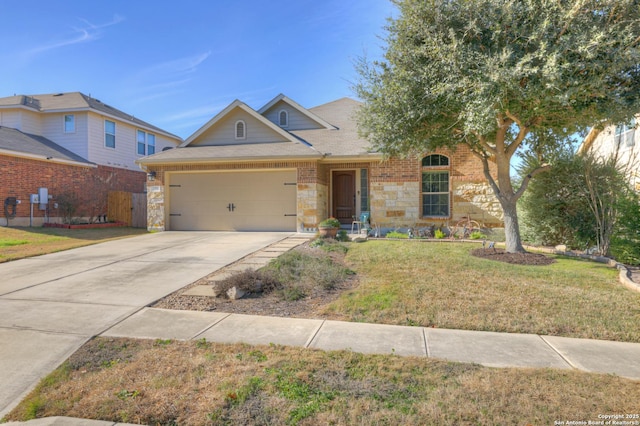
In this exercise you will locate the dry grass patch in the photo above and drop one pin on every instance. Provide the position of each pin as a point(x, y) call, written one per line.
point(442, 285)
point(200, 383)
point(19, 243)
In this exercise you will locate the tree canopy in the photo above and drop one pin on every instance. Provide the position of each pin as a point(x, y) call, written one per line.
point(499, 75)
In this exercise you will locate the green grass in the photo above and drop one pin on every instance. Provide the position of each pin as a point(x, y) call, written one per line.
point(442, 285)
point(5, 242)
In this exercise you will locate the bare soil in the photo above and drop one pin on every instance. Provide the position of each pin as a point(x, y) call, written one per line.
point(513, 258)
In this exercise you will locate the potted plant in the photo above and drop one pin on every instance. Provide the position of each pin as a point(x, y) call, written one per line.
point(328, 228)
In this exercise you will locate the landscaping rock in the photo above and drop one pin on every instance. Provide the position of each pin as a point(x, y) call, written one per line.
point(234, 293)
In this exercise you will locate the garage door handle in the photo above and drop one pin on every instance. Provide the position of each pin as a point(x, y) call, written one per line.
point(175, 214)
point(290, 214)
point(231, 207)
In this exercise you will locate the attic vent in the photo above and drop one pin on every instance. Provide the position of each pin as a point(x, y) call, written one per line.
point(283, 118)
point(58, 94)
point(241, 132)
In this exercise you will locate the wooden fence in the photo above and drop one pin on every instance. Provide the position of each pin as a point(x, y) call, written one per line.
point(128, 207)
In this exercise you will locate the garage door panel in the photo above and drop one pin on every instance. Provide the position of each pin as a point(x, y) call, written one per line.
point(258, 200)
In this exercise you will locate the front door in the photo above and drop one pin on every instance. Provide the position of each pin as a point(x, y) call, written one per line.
point(344, 195)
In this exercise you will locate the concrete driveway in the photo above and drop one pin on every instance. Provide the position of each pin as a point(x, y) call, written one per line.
point(51, 305)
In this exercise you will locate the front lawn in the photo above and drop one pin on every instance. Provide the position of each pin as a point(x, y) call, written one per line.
point(21, 242)
point(442, 285)
point(165, 382)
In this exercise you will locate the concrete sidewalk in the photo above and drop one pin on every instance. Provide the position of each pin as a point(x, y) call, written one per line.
point(481, 347)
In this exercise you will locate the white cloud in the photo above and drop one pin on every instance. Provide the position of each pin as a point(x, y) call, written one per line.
point(86, 33)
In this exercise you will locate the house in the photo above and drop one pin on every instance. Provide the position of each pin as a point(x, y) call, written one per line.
point(284, 167)
point(76, 147)
point(622, 142)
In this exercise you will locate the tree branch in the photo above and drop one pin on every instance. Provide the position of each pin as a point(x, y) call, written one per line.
point(527, 179)
point(484, 144)
point(487, 172)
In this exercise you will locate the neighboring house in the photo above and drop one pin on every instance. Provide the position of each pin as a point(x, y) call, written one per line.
point(74, 146)
point(285, 167)
point(621, 142)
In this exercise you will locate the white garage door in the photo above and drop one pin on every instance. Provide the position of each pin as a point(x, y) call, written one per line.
point(233, 201)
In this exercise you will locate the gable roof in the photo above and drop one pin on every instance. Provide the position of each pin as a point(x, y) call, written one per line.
point(16, 143)
point(297, 107)
point(337, 140)
point(343, 140)
point(241, 105)
point(74, 101)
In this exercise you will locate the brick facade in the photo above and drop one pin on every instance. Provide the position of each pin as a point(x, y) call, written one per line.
point(21, 177)
point(394, 189)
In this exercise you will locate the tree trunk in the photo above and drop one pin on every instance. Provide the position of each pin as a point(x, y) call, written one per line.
point(511, 227)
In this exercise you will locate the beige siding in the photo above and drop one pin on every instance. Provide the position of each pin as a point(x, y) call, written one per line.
point(223, 132)
point(23, 120)
point(11, 119)
point(123, 155)
point(53, 128)
point(297, 120)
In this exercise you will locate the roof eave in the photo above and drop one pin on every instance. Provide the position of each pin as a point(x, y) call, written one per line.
point(46, 159)
point(200, 160)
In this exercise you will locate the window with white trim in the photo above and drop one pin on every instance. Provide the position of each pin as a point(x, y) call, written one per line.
point(283, 118)
point(241, 130)
point(625, 133)
point(109, 134)
point(146, 143)
point(69, 123)
point(435, 186)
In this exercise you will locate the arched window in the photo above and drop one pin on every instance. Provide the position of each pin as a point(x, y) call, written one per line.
point(435, 186)
point(283, 118)
point(241, 130)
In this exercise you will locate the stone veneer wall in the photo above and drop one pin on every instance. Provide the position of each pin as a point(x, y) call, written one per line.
point(395, 187)
point(155, 207)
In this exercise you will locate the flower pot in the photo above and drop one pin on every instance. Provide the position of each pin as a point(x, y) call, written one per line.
point(328, 231)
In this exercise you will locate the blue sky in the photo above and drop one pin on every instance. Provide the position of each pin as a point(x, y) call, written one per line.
point(177, 64)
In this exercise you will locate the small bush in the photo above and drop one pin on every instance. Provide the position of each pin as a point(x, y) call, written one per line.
point(477, 235)
point(396, 234)
point(342, 236)
point(299, 273)
point(439, 234)
point(329, 245)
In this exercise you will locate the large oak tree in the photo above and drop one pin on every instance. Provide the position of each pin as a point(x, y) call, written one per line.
point(501, 76)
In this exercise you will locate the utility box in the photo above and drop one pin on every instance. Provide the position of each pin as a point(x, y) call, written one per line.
point(43, 195)
point(34, 199)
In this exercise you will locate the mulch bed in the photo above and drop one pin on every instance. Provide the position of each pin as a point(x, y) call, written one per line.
point(513, 258)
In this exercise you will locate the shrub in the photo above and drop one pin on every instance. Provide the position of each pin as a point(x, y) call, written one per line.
point(342, 236)
point(477, 235)
point(439, 234)
point(396, 234)
point(331, 222)
point(250, 281)
point(329, 245)
point(300, 273)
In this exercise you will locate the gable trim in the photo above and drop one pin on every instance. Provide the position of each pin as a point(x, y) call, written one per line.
point(298, 108)
point(238, 104)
